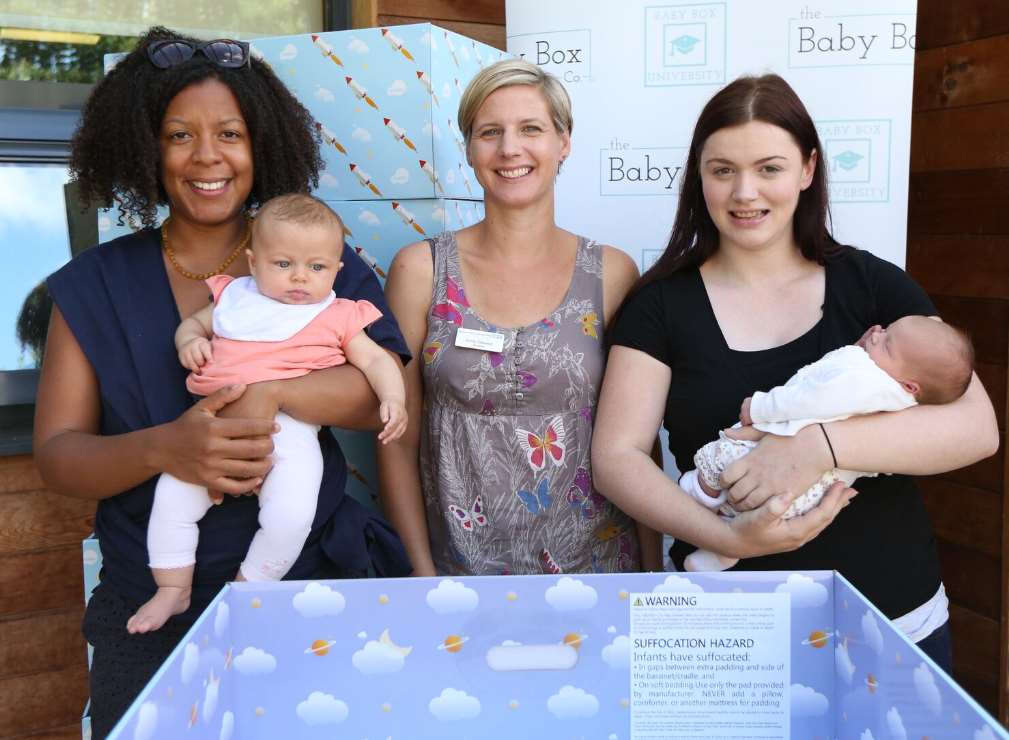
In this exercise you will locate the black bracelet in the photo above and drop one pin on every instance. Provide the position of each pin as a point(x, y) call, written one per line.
point(829, 445)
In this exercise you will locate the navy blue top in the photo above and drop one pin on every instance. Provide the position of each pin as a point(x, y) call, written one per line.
point(118, 303)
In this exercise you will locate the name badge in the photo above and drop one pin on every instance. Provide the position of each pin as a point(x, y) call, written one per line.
point(488, 341)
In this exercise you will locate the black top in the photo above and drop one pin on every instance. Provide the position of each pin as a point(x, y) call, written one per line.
point(118, 303)
point(883, 541)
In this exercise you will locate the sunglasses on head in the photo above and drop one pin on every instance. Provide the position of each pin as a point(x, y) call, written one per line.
point(169, 53)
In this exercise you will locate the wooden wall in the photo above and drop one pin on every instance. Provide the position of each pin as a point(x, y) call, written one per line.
point(43, 659)
point(483, 20)
point(958, 249)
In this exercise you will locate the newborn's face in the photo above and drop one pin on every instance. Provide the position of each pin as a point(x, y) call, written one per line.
point(890, 348)
point(901, 347)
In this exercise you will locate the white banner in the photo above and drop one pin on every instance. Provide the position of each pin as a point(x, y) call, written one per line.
point(639, 73)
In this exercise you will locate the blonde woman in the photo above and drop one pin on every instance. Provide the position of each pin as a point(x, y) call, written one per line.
point(506, 320)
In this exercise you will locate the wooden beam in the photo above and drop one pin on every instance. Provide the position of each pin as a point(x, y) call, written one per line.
point(965, 74)
point(45, 641)
point(19, 474)
point(44, 701)
point(363, 13)
point(958, 202)
point(30, 520)
point(975, 643)
point(970, 266)
point(968, 517)
point(40, 581)
point(972, 579)
point(971, 138)
point(942, 22)
point(474, 11)
point(988, 321)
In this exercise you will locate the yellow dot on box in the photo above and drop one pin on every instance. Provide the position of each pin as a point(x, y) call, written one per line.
point(623, 595)
point(512, 596)
point(383, 599)
point(260, 711)
point(255, 603)
point(624, 703)
point(387, 707)
point(513, 704)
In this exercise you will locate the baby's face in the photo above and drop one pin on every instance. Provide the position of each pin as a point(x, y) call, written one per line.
point(295, 264)
point(891, 348)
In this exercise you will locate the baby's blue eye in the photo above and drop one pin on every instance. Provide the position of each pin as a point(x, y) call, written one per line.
point(283, 264)
point(318, 268)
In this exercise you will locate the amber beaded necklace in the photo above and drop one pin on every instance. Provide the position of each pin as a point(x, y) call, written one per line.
point(220, 268)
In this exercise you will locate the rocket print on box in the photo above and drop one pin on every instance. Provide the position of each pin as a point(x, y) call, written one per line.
point(384, 101)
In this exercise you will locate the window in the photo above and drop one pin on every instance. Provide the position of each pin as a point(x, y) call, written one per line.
point(33, 228)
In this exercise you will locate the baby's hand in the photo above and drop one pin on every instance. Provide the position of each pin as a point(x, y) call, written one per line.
point(196, 353)
point(744, 412)
point(393, 413)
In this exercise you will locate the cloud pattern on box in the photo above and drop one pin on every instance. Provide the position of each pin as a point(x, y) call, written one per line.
point(443, 663)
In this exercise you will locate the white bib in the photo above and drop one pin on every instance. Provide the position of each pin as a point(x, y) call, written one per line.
point(245, 314)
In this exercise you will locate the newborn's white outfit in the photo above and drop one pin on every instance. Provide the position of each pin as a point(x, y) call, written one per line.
point(842, 383)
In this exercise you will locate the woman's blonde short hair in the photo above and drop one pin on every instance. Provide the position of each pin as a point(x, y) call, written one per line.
point(510, 72)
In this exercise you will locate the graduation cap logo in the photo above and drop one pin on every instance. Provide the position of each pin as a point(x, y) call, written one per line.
point(684, 44)
point(848, 160)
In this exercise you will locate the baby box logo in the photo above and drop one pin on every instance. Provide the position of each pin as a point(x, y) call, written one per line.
point(816, 40)
point(685, 44)
point(857, 156)
point(627, 170)
point(566, 54)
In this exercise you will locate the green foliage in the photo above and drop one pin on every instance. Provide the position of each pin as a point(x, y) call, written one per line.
point(50, 62)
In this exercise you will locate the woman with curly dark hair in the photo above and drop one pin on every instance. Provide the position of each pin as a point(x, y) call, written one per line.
point(209, 131)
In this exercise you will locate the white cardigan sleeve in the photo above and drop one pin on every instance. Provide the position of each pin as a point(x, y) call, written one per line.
point(842, 383)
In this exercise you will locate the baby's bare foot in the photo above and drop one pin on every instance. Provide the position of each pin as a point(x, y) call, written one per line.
point(168, 600)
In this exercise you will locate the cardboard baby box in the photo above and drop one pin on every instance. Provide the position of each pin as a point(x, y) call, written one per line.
point(718, 655)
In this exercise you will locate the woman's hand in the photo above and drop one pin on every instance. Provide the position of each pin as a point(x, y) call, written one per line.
point(224, 454)
point(777, 465)
point(764, 532)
